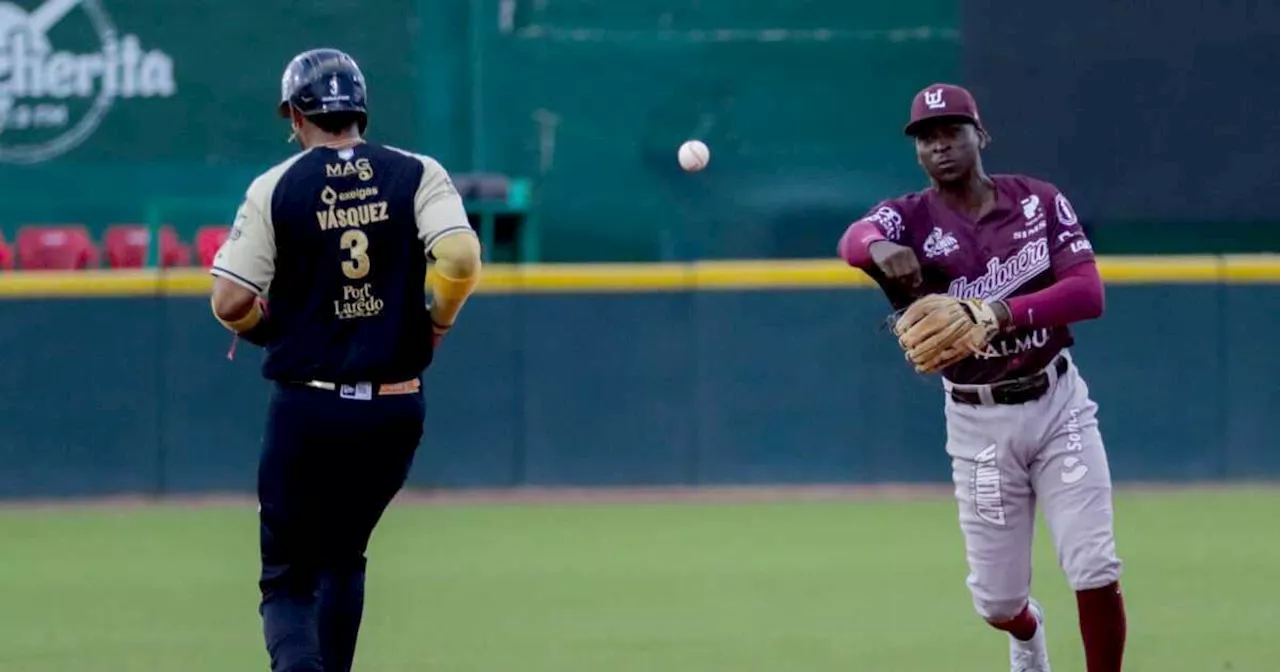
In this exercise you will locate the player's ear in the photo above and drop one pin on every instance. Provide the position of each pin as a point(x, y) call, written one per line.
point(983, 139)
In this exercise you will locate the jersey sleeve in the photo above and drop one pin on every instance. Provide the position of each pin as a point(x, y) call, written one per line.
point(248, 257)
point(890, 218)
point(887, 217)
point(437, 206)
point(1068, 244)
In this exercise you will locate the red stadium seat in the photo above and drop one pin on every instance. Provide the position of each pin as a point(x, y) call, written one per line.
point(56, 248)
point(6, 255)
point(208, 240)
point(173, 251)
point(128, 245)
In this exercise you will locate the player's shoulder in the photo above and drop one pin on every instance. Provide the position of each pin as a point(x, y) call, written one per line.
point(1025, 185)
point(899, 212)
point(264, 185)
point(1026, 189)
point(907, 202)
point(429, 163)
point(434, 181)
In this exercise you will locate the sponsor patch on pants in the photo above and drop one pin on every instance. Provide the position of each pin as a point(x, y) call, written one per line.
point(1074, 468)
point(985, 487)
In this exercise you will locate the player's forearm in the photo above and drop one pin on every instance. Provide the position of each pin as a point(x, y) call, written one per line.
point(241, 311)
point(453, 277)
point(855, 244)
point(1078, 295)
point(234, 306)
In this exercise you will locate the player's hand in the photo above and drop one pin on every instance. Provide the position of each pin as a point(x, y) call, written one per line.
point(438, 330)
point(897, 262)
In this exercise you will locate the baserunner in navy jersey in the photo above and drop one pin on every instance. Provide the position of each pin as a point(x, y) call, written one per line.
point(326, 267)
point(1021, 426)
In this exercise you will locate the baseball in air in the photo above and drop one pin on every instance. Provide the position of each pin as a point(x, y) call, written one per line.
point(694, 155)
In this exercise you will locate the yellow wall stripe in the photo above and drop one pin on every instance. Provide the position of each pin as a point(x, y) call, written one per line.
point(708, 275)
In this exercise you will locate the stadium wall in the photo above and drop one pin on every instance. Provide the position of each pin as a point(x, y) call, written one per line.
point(801, 103)
point(715, 373)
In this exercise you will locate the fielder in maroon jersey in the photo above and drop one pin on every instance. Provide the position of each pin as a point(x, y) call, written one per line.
point(1021, 426)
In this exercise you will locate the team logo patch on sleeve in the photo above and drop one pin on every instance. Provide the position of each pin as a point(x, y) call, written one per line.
point(889, 221)
point(1066, 214)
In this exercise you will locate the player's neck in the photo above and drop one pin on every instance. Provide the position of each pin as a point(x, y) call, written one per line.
point(973, 196)
point(314, 138)
point(338, 141)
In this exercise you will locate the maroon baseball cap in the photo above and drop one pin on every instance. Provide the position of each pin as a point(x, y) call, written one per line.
point(943, 101)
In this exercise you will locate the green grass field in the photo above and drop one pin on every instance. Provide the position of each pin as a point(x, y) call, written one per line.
point(864, 586)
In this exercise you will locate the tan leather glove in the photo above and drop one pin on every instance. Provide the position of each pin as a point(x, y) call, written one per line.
point(938, 330)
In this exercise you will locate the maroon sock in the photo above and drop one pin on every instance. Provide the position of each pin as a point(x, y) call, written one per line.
point(1023, 626)
point(1103, 627)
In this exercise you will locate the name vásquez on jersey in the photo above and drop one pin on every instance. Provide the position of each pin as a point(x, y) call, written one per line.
point(354, 216)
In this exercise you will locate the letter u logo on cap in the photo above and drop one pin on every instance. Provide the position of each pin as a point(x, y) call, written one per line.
point(933, 99)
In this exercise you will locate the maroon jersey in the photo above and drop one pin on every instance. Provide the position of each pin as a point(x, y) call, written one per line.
point(1030, 236)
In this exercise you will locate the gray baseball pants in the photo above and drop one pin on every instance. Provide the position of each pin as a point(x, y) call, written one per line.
point(1005, 459)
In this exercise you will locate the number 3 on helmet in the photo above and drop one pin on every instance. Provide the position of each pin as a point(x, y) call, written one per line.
point(322, 81)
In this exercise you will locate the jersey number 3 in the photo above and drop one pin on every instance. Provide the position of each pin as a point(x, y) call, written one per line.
point(357, 243)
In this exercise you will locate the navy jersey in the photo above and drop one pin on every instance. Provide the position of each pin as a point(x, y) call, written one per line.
point(338, 242)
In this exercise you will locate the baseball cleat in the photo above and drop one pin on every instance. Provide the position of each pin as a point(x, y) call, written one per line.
point(1033, 654)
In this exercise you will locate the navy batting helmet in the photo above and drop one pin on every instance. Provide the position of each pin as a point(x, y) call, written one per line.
point(322, 81)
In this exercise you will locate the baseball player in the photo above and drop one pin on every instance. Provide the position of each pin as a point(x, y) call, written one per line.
point(986, 273)
point(326, 267)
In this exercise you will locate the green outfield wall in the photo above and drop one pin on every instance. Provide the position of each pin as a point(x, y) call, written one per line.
point(630, 375)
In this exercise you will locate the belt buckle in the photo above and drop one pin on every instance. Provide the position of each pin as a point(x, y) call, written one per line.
point(1022, 389)
point(359, 391)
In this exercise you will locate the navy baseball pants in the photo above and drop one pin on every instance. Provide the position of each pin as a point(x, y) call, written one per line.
point(329, 468)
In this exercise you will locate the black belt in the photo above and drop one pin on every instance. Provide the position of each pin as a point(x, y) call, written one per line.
point(365, 390)
point(1016, 391)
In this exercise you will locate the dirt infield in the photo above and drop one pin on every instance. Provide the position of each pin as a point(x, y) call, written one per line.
point(611, 495)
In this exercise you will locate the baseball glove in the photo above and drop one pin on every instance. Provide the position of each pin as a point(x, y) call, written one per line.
point(938, 330)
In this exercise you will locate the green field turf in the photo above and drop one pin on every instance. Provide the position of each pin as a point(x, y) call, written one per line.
point(766, 587)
